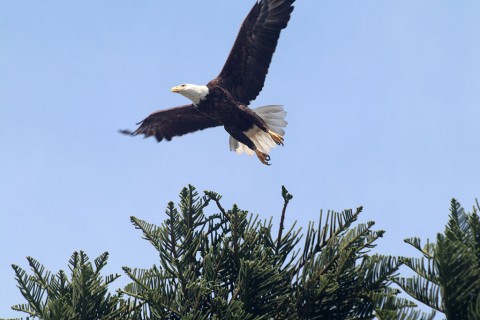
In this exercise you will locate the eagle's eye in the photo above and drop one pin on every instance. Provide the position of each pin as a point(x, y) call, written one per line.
point(182, 85)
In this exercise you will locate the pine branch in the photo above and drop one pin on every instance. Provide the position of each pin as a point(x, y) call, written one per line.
point(286, 199)
point(216, 198)
point(40, 276)
point(30, 291)
point(422, 290)
point(150, 231)
point(312, 247)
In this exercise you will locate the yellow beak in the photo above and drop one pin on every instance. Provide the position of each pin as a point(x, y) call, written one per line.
point(176, 89)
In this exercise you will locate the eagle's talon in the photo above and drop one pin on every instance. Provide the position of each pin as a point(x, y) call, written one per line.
point(263, 157)
point(278, 139)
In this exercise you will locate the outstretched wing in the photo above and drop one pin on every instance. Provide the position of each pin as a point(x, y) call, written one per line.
point(173, 122)
point(244, 72)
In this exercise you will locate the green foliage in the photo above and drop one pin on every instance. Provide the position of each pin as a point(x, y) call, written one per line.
point(83, 296)
point(229, 266)
point(447, 277)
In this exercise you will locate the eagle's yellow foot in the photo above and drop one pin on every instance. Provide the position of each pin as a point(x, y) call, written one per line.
point(263, 157)
point(276, 137)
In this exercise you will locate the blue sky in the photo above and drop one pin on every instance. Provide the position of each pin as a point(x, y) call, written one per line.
point(382, 99)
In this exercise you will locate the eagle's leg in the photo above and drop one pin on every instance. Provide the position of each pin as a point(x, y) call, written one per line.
point(240, 136)
point(276, 137)
point(259, 122)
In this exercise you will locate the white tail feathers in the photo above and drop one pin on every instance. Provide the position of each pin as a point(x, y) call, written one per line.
point(274, 117)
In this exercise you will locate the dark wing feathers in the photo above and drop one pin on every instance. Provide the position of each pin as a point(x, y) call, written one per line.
point(169, 123)
point(244, 72)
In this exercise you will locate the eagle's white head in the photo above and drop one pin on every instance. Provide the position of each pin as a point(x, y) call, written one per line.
point(192, 91)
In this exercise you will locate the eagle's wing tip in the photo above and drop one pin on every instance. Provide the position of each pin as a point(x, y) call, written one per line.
point(126, 131)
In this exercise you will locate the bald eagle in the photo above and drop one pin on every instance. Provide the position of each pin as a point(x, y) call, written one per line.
point(224, 100)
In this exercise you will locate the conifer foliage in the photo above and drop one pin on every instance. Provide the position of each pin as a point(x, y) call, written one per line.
point(82, 296)
point(229, 264)
point(447, 277)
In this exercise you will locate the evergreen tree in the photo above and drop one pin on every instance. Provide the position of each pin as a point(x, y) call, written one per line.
point(229, 265)
point(82, 297)
point(447, 277)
